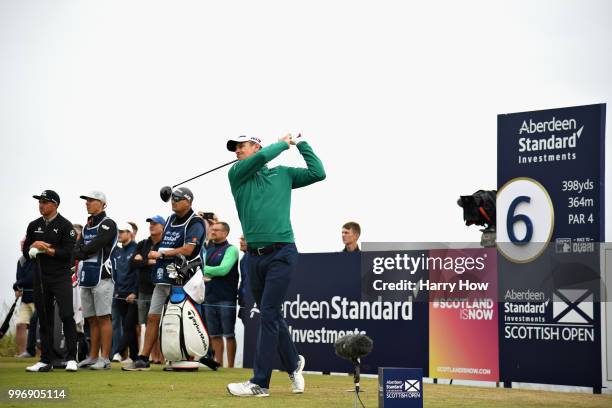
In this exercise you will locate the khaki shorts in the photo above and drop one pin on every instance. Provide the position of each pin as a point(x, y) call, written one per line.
point(26, 310)
point(99, 300)
point(159, 298)
point(144, 302)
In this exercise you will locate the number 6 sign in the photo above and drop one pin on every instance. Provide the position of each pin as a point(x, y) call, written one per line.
point(525, 219)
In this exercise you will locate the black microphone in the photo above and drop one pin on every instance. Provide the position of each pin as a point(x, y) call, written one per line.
point(353, 346)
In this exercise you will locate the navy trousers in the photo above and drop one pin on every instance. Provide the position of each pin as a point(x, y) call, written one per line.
point(269, 277)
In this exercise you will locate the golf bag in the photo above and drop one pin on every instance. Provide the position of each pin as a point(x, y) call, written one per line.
point(182, 334)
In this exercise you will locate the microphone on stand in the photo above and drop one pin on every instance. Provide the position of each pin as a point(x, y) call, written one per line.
point(353, 347)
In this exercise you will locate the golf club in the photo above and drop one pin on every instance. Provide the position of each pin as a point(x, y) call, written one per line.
point(166, 191)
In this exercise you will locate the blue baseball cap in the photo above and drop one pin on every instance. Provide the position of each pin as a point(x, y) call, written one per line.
point(158, 219)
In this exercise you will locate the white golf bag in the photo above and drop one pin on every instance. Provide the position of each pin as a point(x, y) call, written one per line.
point(182, 333)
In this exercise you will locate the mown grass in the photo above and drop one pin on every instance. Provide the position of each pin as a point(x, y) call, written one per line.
point(205, 388)
point(8, 347)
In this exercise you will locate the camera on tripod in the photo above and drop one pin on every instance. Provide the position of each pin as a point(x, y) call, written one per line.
point(479, 209)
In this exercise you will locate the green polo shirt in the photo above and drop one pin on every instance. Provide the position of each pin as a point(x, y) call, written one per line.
point(263, 195)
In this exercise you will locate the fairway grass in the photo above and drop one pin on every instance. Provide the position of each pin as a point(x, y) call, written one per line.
point(116, 388)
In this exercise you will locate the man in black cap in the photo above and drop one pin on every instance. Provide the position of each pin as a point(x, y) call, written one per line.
point(50, 241)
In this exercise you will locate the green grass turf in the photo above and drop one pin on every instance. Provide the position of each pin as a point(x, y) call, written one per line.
point(205, 388)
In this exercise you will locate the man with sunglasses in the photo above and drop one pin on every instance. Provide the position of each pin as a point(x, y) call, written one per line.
point(49, 241)
point(263, 201)
point(184, 234)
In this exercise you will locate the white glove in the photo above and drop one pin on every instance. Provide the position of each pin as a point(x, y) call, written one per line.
point(297, 139)
point(33, 252)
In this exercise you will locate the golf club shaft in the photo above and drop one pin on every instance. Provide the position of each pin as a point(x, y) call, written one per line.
point(206, 172)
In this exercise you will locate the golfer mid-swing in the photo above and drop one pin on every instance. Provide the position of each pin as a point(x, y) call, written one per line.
point(263, 201)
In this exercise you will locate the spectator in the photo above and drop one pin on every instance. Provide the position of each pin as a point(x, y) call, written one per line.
point(243, 279)
point(94, 249)
point(23, 288)
point(145, 268)
point(350, 236)
point(50, 241)
point(221, 292)
point(134, 230)
point(33, 334)
point(184, 234)
point(78, 228)
point(209, 218)
point(126, 291)
point(81, 327)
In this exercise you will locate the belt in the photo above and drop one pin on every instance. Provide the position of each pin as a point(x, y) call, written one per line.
point(267, 249)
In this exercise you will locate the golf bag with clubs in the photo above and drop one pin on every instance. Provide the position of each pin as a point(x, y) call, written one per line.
point(182, 334)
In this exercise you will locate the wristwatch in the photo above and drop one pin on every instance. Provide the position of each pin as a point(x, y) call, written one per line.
point(161, 255)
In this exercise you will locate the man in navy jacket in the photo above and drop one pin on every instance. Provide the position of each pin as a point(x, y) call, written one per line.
point(126, 290)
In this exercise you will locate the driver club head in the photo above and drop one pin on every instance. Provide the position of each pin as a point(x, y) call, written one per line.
point(165, 193)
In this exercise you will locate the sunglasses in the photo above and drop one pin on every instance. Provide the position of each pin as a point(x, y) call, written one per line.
point(176, 199)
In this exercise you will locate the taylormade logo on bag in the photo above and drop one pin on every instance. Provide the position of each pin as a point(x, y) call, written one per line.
point(191, 315)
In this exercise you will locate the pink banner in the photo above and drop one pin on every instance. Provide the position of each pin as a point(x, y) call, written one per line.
point(463, 314)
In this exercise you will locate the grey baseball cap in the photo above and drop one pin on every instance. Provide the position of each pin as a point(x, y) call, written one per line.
point(183, 192)
point(95, 195)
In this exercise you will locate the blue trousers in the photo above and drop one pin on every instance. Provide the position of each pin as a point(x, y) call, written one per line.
point(269, 277)
point(117, 323)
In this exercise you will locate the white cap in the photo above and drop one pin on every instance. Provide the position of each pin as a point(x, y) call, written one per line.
point(125, 226)
point(96, 195)
point(231, 144)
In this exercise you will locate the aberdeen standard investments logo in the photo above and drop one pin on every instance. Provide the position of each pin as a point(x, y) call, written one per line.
point(406, 389)
point(553, 140)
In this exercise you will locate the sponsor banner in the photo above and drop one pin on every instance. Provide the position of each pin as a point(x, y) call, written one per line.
point(324, 302)
point(463, 323)
point(550, 219)
point(400, 387)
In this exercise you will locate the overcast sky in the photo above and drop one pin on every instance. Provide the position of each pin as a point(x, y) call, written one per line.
point(399, 99)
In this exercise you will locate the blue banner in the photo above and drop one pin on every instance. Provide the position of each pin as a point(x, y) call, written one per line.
point(550, 221)
point(324, 302)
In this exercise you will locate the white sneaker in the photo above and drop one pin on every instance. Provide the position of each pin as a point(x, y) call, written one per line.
point(297, 378)
point(40, 367)
point(247, 389)
point(116, 358)
point(87, 362)
point(71, 365)
point(126, 361)
point(101, 364)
